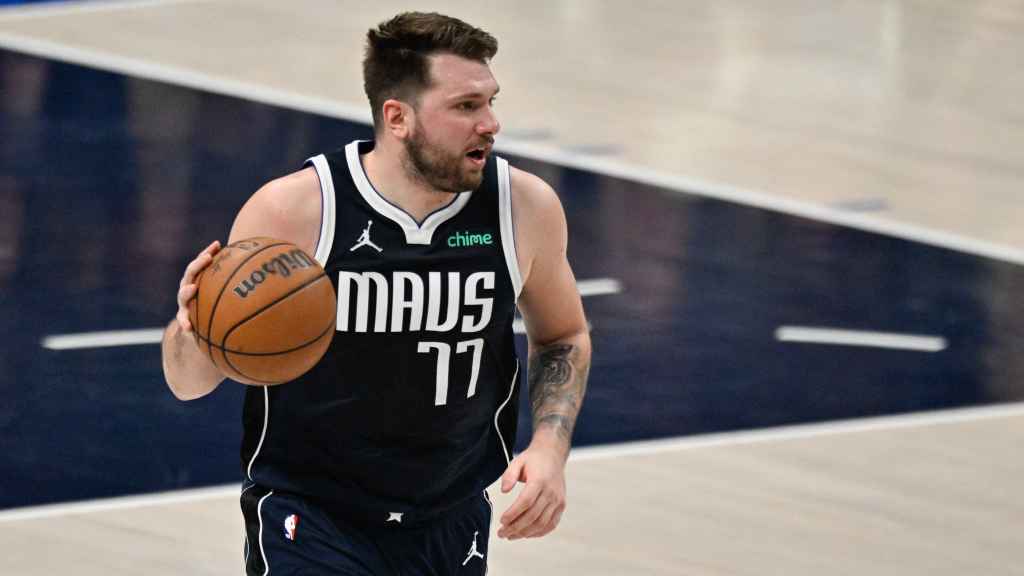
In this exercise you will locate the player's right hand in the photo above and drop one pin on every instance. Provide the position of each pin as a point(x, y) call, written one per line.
point(187, 287)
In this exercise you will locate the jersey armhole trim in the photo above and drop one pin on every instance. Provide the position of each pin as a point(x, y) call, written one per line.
point(263, 434)
point(327, 209)
point(507, 446)
point(508, 235)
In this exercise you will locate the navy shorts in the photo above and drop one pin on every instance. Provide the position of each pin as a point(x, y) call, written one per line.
point(288, 534)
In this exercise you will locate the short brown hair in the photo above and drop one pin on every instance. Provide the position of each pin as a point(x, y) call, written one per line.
point(395, 64)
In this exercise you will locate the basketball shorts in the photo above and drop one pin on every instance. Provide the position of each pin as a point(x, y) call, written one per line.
point(287, 534)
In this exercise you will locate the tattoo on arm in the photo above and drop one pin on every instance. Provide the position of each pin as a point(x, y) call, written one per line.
point(177, 343)
point(558, 380)
point(173, 342)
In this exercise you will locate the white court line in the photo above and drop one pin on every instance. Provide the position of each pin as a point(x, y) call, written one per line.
point(890, 340)
point(120, 503)
point(518, 326)
point(587, 288)
point(598, 287)
point(75, 7)
point(546, 153)
point(625, 449)
point(183, 77)
point(104, 339)
point(800, 431)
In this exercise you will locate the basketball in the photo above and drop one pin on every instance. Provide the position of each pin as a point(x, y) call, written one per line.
point(264, 311)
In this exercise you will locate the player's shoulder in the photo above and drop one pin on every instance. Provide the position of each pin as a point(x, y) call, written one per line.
point(538, 218)
point(287, 208)
point(290, 190)
point(531, 195)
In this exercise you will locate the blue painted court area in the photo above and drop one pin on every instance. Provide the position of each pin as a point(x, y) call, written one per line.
point(109, 185)
point(11, 2)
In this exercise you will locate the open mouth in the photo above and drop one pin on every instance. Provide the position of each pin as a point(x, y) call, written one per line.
point(477, 154)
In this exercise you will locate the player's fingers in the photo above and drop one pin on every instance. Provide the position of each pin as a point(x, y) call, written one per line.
point(186, 293)
point(543, 524)
point(183, 321)
point(203, 258)
point(516, 523)
point(550, 521)
point(531, 521)
point(527, 498)
point(195, 266)
point(511, 475)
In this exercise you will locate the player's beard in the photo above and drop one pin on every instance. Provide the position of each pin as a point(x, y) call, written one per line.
point(438, 168)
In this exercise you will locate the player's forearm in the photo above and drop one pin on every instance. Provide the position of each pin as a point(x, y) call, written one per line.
point(558, 381)
point(189, 373)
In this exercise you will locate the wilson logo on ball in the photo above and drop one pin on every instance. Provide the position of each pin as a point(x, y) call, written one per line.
point(282, 265)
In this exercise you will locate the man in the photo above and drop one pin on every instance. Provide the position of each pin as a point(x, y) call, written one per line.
point(376, 461)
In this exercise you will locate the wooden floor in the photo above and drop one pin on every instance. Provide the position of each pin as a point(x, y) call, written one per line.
point(914, 106)
point(906, 113)
point(893, 497)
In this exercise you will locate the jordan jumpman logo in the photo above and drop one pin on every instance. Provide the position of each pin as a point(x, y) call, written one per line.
point(364, 239)
point(473, 551)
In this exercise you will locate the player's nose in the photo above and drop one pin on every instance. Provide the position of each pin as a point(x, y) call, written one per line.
point(488, 124)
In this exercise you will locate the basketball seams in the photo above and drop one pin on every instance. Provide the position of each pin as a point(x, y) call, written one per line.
point(224, 286)
point(231, 365)
point(273, 367)
point(225, 365)
point(269, 305)
point(242, 353)
point(246, 376)
point(225, 351)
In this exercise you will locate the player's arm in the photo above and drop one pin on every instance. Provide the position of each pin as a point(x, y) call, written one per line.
point(559, 358)
point(288, 209)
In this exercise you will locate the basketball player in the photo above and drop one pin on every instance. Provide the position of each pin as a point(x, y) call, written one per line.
point(376, 461)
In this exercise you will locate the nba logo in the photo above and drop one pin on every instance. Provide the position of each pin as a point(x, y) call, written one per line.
point(290, 524)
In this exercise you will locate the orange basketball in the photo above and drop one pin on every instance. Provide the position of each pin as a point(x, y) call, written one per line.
point(264, 312)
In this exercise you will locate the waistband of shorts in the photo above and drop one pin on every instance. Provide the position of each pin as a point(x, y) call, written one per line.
point(400, 517)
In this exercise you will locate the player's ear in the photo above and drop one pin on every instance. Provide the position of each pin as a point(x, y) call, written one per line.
point(398, 118)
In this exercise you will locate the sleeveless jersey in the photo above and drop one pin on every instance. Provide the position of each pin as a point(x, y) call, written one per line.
point(413, 408)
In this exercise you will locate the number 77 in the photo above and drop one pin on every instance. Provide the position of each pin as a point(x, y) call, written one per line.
point(444, 355)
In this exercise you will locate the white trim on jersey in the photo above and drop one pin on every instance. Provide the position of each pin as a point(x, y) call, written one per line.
point(259, 514)
point(263, 434)
point(515, 380)
point(244, 531)
point(415, 233)
point(490, 506)
point(327, 206)
point(508, 233)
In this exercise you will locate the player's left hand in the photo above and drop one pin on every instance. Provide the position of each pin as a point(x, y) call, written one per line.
point(538, 508)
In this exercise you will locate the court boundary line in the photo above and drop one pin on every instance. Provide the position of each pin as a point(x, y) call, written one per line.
point(679, 184)
point(119, 503)
point(583, 454)
point(800, 431)
point(16, 12)
point(863, 338)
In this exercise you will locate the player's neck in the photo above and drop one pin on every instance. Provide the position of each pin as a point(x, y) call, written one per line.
point(388, 176)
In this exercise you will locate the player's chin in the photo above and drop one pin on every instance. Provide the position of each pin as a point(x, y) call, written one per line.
point(471, 180)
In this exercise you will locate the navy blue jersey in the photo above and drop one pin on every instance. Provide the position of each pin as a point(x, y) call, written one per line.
point(413, 408)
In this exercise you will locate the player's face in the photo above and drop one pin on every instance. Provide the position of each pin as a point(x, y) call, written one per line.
point(454, 125)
